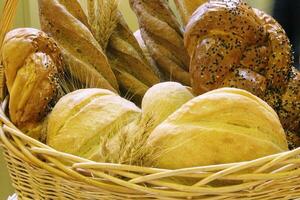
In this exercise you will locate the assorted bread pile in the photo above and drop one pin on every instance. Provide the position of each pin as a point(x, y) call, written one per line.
point(235, 95)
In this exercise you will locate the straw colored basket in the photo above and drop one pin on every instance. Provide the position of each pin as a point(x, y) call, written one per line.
point(40, 172)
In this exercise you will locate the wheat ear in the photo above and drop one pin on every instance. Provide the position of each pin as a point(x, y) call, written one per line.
point(103, 17)
point(6, 22)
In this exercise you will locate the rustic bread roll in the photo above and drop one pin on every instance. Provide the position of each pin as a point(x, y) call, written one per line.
point(187, 7)
point(81, 119)
point(231, 44)
point(82, 54)
point(162, 35)
point(32, 63)
point(222, 126)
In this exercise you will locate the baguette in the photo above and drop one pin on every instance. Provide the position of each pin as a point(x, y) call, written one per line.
point(81, 51)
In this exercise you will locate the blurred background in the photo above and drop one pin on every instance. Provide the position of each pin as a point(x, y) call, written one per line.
point(27, 16)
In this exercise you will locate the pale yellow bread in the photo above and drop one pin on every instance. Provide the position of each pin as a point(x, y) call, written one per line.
point(223, 126)
point(80, 119)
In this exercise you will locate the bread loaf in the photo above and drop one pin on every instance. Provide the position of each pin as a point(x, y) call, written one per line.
point(81, 119)
point(33, 65)
point(84, 57)
point(222, 126)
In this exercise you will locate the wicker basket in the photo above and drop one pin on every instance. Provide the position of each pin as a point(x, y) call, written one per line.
point(40, 172)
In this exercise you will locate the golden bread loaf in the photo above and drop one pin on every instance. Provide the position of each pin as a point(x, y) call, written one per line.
point(33, 65)
point(84, 57)
point(233, 45)
point(222, 126)
point(163, 37)
point(81, 119)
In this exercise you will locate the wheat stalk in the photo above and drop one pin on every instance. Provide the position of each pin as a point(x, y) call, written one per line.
point(9, 12)
point(132, 146)
point(6, 21)
point(103, 17)
point(91, 11)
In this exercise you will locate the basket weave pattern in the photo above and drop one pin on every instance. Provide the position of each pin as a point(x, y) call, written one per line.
point(40, 172)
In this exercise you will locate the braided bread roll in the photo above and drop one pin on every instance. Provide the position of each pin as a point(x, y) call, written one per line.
point(133, 71)
point(84, 57)
point(289, 109)
point(231, 44)
point(32, 63)
point(162, 35)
